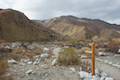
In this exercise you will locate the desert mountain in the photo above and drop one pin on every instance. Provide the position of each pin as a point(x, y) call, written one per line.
point(15, 26)
point(83, 28)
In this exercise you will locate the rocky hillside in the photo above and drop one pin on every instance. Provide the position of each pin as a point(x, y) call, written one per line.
point(15, 26)
point(83, 28)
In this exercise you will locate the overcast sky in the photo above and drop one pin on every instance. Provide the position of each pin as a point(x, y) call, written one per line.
point(108, 10)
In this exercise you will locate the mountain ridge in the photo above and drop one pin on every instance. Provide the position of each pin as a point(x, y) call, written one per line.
point(76, 28)
point(15, 26)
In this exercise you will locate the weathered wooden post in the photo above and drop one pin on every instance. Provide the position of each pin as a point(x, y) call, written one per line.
point(93, 59)
point(87, 63)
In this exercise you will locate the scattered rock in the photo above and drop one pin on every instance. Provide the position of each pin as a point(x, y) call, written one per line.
point(44, 56)
point(54, 62)
point(56, 51)
point(102, 78)
point(109, 78)
point(46, 49)
point(12, 61)
point(103, 74)
point(72, 69)
point(83, 74)
point(29, 62)
point(29, 72)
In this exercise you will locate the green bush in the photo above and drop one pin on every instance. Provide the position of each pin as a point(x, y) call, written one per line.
point(68, 57)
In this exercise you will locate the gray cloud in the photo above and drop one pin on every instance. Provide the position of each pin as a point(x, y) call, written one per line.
point(107, 10)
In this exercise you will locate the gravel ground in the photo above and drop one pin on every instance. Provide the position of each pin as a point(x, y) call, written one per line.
point(42, 72)
point(110, 70)
point(113, 59)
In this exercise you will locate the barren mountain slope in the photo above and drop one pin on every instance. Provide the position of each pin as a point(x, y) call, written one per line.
point(15, 26)
point(83, 28)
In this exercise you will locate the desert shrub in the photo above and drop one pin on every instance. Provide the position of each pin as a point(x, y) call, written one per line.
point(4, 77)
point(68, 57)
point(38, 51)
point(3, 66)
point(19, 53)
point(73, 42)
point(114, 46)
point(4, 70)
point(15, 56)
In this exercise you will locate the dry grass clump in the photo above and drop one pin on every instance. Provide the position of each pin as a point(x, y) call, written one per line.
point(19, 53)
point(38, 51)
point(4, 70)
point(3, 66)
point(69, 57)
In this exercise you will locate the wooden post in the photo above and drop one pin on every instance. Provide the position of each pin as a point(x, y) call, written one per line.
point(87, 63)
point(87, 55)
point(93, 59)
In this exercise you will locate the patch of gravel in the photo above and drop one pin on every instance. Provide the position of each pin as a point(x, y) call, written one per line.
point(42, 72)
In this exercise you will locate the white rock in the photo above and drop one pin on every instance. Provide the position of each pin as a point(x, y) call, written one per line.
point(106, 61)
point(54, 62)
point(45, 49)
point(101, 53)
point(109, 78)
point(116, 65)
point(12, 61)
point(29, 62)
point(30, 47)
point(25, 60)
point(90, 77)
point(119, 51)
point(102, 78)
point(56, 51)
point(29, 72)
point(72, 69)
point(103, 74)
point(44, 55)
point(37, 61)
point(22, 64)
point(15, 45)
point(83, 74)
point(97, 71)
point(8, 47)
point(110, 63)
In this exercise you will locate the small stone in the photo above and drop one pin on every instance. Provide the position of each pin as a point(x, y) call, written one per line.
point(109, 78)
point(44, 55)
point(45, 49)
point(12, 61)
point(83, 74)
point(29, 62)
point(29, 72)
point(72, 69)
point(54, 62)
point(102, 78)
point(103, 74)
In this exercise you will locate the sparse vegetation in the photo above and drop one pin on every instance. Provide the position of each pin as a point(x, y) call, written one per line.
point(3, 66)
point(114, 45)
point(68, 57)
point(74, 42)
point(19, 53)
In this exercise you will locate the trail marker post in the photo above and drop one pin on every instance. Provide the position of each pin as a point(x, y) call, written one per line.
point(93, 59)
